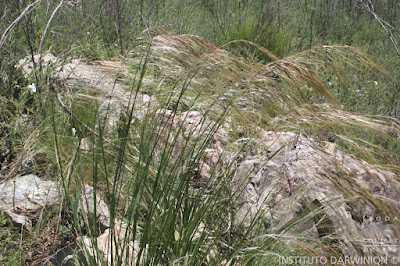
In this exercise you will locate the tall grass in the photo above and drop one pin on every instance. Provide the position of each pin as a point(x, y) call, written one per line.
point(161, 210)
point(154, 189)
point(94, 30)
point(149, 171)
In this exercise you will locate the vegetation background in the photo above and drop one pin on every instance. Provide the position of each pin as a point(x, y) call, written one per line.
point(109, 29)
point(103, 29)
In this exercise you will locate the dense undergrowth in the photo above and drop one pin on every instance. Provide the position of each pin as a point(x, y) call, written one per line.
point(276, 71)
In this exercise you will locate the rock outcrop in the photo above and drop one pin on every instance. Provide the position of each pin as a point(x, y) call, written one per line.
point(338, 199)
point(296, 176)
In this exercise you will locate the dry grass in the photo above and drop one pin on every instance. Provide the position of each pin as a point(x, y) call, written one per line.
point(267, 94)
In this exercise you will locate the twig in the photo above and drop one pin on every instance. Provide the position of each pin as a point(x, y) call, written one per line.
point(45, 30)
point(386, 26)
point(66, 108)
point(26, 11)
point(89, 129)
point(4, 15)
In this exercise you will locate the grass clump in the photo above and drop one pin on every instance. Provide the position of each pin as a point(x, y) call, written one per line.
point(149, 166)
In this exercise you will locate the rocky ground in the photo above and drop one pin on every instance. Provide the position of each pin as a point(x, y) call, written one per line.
point(348, 204)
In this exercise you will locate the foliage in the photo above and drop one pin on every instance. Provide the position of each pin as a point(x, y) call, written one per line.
point(285, 65)
point(18, 246)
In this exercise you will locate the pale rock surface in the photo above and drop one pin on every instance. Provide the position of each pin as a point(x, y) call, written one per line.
point(87, 206)
point(106, 245)
point(286, 175)
point(105, 242)
point(191, 126)
point(104, 77)
point(24, 197)
point(295, 171)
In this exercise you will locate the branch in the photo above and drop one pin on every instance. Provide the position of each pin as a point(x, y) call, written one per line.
point(89, 129)
point(69, 111)
point(4, 15)
point(386, 26)
point(26, 11)
point(47, 27)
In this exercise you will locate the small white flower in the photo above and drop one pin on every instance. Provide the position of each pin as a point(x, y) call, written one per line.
point(73, 131)
point(330, 84)
point(32, 87)
point(376, 83)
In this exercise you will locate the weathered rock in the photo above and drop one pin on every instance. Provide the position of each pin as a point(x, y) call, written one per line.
point(103, 76)
point(295, 174)
point(109, 252)
point(200, 230)
point(48, 62)
point(194, 123)
point(287, 176)
point(192, 126)
point(115, 98)
point(87, 206)
point(23, 198)
point(84, 145)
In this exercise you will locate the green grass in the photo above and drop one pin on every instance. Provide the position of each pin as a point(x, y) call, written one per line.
point(284, 67)
point(20, 247)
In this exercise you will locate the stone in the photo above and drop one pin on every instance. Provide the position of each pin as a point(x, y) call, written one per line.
point(106, 245)
point(24, 197)
point(86, 206)
point(103, 77)
point(294, 171)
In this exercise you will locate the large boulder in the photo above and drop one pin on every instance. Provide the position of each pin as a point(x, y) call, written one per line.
point(343, 196)
point(105, 78)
